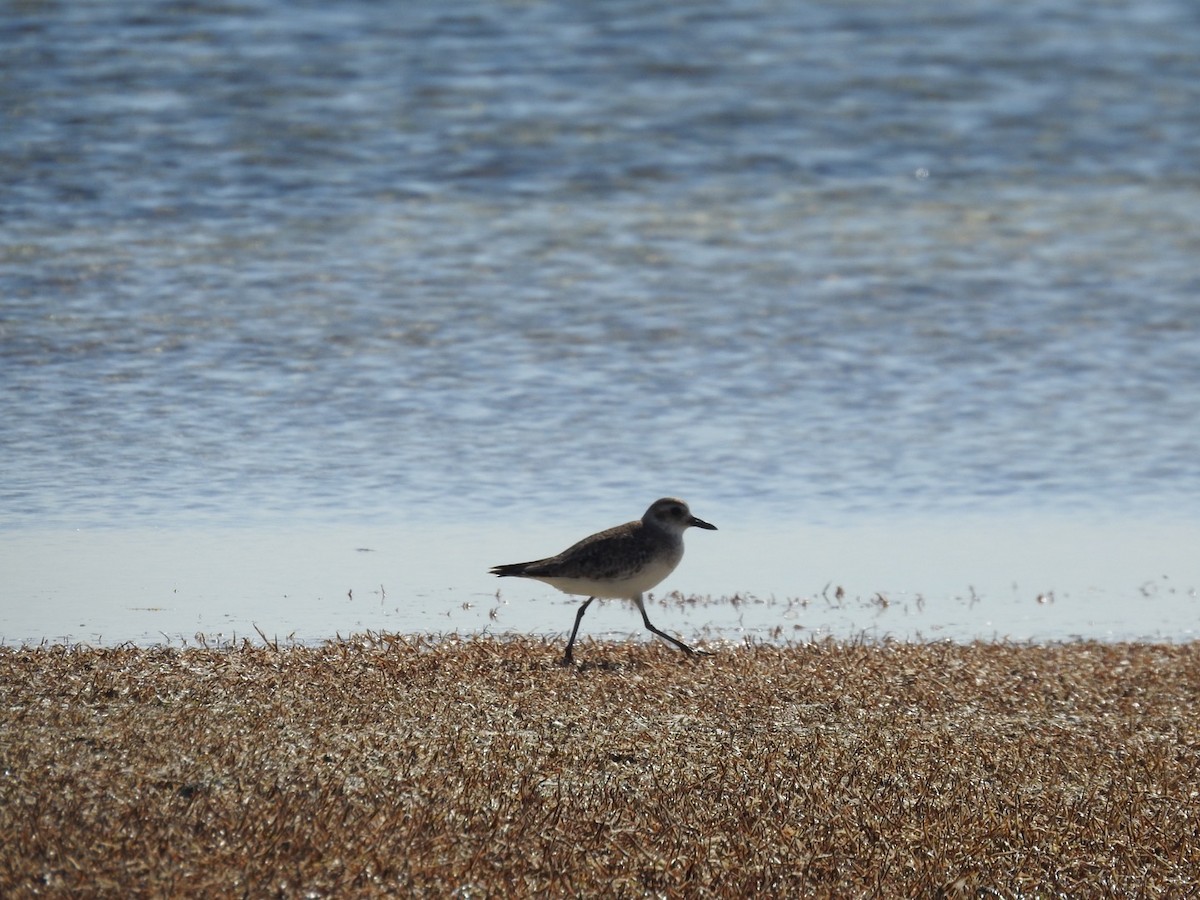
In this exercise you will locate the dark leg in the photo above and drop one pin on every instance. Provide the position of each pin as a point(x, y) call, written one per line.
point(567, 657)
point(646, 621)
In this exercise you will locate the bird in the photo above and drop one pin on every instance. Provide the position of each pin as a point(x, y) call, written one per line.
point(619, 563)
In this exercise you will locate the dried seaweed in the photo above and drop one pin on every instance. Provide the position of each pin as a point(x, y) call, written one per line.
point(386, 765)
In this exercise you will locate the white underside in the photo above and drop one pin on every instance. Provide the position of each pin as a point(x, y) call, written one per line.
point(627, 589)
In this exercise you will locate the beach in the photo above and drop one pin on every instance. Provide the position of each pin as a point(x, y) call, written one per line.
point(310, 314)
point(445, 766)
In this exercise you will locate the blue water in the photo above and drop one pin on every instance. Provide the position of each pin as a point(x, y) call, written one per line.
point(499, 267)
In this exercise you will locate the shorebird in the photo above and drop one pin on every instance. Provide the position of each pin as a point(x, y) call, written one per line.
point(620, 563)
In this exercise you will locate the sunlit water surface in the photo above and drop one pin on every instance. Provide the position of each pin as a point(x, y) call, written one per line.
point(310, 315)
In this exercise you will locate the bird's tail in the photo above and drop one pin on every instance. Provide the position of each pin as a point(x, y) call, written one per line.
point(510, 569)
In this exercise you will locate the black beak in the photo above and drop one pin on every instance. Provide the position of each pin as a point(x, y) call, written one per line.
point(700, 523)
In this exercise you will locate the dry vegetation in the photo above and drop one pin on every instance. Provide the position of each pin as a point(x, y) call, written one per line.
point(479, 767)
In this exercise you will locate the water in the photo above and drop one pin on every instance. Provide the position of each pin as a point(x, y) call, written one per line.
point(277, 283)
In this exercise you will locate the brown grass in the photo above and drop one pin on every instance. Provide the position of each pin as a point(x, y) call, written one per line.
point(480, 768)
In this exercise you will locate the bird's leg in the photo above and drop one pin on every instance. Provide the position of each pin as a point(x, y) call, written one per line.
point(567, 657)
point(662, 634)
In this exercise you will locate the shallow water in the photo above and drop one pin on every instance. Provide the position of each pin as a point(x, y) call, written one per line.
point(505, 267)
point(1014, 579)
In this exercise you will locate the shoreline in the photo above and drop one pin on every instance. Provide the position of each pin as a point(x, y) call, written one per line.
point(1053, 577)
point(388, 764)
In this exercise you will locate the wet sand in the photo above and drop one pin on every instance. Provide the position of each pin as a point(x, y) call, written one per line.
point(476, 767)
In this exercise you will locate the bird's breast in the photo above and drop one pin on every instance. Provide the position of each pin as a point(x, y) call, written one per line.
point(624, 586)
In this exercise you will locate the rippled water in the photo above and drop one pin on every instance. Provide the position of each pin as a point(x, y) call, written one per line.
point(499, 262)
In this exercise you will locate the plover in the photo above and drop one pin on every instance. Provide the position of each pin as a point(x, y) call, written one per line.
point(621, 563)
